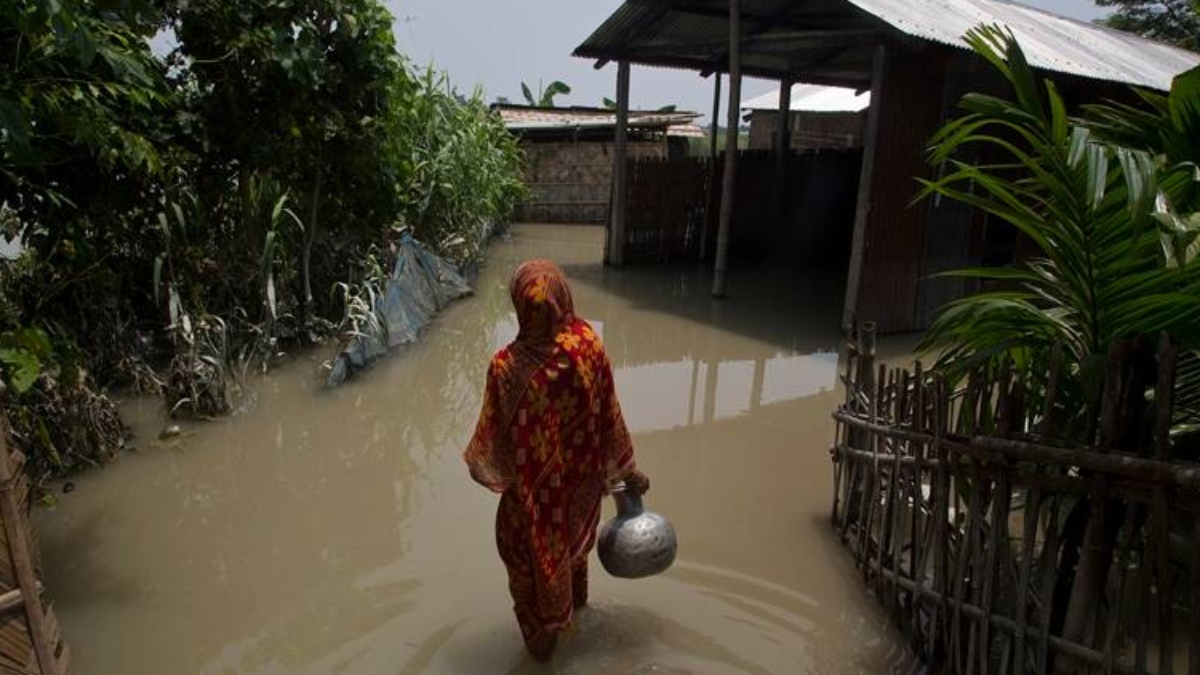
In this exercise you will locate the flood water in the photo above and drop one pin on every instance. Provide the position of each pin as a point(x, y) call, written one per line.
point(338, 532)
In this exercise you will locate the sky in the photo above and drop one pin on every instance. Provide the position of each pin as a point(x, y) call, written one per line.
point(497, 45)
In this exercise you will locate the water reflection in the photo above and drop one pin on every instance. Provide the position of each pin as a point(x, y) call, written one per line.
point(337, 532)
point(682, 393)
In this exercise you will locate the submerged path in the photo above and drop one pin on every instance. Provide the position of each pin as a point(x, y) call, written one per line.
point(338, 532)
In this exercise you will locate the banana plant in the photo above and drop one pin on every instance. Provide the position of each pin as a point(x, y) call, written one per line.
point(546, 94)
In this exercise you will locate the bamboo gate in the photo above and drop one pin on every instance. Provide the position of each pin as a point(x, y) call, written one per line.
point(996, 549)
point(30, 640)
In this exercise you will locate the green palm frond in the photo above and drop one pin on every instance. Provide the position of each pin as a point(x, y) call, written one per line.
point(1099, 274)
point(1102, 202)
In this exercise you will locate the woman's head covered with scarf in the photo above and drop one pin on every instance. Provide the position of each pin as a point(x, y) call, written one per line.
point(543, 301)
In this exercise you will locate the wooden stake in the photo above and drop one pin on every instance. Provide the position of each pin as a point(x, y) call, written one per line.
point(916, 568)
point(1033, 509)
point(892, 492)
point(1049, 585)
point(1001, 500)
point(1194, 656)
point(941, 496)
point(966, 553)
point(22, 561)
point(1162, 555)
point(1163, 394)
point(1114, 607)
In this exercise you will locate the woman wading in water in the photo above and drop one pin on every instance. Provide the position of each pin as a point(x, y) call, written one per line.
point(550, 439)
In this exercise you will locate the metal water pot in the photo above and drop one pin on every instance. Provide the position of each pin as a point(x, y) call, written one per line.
point(636, 543)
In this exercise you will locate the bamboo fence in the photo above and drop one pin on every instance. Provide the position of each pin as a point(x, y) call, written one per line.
point(30, 640)
point(995, 547)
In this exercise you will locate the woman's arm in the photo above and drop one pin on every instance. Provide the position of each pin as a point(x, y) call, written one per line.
point(616, 439)
point(487, 455)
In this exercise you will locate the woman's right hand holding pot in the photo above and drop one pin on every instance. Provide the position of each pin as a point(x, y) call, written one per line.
point(636, 482)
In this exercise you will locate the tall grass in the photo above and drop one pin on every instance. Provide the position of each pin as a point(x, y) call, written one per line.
point(465, 165)
point(218, 272)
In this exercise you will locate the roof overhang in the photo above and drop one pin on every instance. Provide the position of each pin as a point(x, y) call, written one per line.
point(820, 41)
point(833, 41)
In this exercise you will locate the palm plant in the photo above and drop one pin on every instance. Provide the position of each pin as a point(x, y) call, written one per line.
point(1101, 274)
point(1169, 127)
point(1114, 264)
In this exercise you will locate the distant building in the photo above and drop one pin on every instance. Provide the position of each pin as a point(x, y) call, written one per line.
point(569, 155)
point(822, 118)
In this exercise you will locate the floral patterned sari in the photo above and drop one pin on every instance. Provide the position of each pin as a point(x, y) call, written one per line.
point(549, 438)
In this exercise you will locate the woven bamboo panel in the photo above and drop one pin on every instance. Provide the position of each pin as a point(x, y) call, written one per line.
point(572, 182)
point(999, 548)
point(30, 640)
point(667, 208)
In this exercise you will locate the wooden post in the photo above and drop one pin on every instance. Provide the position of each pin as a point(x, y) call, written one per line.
point(783, 146)
point(692, 398)
point(710, 198)
point(733, 116)
point(18, 550)
point(756, 385)
point(710, 391)
point(617, 219)
point(870, 141)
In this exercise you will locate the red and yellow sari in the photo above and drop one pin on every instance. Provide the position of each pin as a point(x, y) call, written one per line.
point(549, 438)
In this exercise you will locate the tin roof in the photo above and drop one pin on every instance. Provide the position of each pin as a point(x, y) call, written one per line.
point(524, 118)
point(814, 98)
point(1050, 41)
point(832, 41)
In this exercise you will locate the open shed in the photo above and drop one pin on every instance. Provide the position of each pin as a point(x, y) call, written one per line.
point(911, 56)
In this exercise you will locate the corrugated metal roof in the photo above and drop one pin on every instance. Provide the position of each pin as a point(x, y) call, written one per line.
point(521, 118)
point(814, 98)
point(684, 35)
point(668, 38)
point(1050, 41)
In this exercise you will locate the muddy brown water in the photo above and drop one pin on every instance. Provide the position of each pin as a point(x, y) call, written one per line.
point(338, 532)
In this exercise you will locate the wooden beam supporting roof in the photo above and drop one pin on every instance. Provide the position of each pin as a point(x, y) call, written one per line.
point(863, 211)
point(769, 44)
point(618, 217)
point(791, 16)
point(783, 150)
point(731, 147)
point(710, 196)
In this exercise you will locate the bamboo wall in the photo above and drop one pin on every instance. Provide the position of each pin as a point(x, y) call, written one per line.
point(571, 182)
point(30, 640)
point(910, 105)
point(671, 207)
point(998, 550)
point(667, 202)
